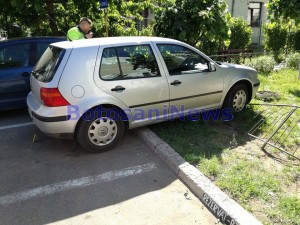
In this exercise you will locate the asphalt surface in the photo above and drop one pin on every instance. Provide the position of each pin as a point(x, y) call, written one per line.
point(55, 181)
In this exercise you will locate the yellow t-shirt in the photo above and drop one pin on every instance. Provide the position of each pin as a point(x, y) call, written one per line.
point(75, 34)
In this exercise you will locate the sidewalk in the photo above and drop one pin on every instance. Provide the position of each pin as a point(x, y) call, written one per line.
point(222, 206)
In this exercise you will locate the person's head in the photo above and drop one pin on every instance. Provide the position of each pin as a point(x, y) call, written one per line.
point(85, 24)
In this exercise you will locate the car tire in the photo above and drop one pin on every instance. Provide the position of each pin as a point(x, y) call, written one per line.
point(237, 98)
point(99, 131)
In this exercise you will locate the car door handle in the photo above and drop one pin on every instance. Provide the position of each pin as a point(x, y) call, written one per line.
point(25, 74)
point(176, 83)
point(118, 88)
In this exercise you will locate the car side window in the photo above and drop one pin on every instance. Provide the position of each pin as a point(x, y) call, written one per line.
point(14, 56)
point(182, 60)
point(128, 62)
point(41, 48)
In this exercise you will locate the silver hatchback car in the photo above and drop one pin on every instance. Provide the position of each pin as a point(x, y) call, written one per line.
point(95, 89)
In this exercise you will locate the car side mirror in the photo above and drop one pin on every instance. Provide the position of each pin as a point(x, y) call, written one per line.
point(212, 67)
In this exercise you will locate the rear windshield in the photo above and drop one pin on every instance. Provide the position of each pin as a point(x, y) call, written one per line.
point(46, 67)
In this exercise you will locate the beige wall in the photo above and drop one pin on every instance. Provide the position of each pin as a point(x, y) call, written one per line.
point(240, 9)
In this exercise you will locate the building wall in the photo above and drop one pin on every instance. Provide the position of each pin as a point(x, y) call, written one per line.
point(239, 8)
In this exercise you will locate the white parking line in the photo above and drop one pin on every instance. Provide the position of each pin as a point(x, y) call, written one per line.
point(76, 183)
point(16, 125)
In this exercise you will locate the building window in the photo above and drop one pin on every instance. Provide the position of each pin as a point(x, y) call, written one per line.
point(254, 13)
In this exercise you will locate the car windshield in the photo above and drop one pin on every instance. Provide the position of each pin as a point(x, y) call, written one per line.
point(46, 67)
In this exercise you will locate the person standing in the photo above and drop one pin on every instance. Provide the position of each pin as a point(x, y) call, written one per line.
point(81, 31)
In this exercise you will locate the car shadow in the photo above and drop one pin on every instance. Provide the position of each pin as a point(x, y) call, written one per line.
point(27, 163)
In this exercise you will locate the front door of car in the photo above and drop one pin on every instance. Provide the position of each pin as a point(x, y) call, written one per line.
point(132, 75)
point(193, 83)
point(15, 69)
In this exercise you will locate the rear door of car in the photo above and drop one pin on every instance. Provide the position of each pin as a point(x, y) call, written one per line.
point(133, 75)
point(192, 84)
point(15, 67)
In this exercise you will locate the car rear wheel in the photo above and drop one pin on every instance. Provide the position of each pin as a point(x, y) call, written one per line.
point(237, 98)
point(100, 131)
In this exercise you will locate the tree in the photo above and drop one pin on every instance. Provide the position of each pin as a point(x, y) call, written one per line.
point(241, 33)
point(55, 17)
point(201, 23)
point(287, 9)
point(275, 38)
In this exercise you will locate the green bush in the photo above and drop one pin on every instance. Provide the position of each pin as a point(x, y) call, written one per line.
point(275, 38)
point(263, 64)
point(293, 37)
point(293, 60)
point(241, 33)
point(297, 40)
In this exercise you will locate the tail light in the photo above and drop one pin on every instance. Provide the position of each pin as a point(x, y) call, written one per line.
point(52, 97)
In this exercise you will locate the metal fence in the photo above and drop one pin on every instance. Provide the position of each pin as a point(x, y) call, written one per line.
point(276, 126)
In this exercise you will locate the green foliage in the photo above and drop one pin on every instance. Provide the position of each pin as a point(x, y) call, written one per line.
point(275, 38)
point(243, 182)
point(210, 167)
point(293, 60)
point(297, 40)
point(32, 16)
point(287, 211)
point(198, 23)
point(288, 9)
point(241, 33)
point(263, 64)
point(293, 37)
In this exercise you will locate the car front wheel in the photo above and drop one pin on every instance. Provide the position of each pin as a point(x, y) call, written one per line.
point(99, 132)
point(236, 98)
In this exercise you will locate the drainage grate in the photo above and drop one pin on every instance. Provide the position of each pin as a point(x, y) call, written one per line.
point(276, 126)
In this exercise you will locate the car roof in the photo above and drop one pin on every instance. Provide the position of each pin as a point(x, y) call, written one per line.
point(31, 39)
point(111, 41)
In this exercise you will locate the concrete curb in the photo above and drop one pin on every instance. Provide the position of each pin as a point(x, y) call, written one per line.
point(222, 206)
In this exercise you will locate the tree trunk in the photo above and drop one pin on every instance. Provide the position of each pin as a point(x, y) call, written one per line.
point(51, 15)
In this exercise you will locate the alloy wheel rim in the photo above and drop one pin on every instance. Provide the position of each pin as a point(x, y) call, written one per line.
point(102, 131)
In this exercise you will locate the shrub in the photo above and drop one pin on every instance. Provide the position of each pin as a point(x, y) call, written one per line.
point(275, 38)
point(241, 33)
point(263, 64)
point(293, 60)
point(297, 40)
point(293, 37)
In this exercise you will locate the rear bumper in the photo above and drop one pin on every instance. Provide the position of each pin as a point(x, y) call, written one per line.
point(50, 119)
point(53, 121)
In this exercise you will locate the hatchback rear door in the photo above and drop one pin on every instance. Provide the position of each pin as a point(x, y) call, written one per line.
point(43, 74)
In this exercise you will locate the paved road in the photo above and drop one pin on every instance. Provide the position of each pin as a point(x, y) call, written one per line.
point(55, 182)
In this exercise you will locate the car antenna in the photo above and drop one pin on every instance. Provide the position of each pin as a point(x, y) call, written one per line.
point(58, 26)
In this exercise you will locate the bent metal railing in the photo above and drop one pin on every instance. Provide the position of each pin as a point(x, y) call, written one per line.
point(276, 126)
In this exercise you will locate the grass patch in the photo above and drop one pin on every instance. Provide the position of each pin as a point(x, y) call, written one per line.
point(244, 181)
point(235, 163)
point(285, 82)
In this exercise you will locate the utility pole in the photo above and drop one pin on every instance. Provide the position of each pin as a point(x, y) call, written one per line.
point(106, 21)
point(104, 5)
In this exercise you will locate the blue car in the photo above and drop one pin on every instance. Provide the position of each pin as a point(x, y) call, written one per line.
point(17, 59)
